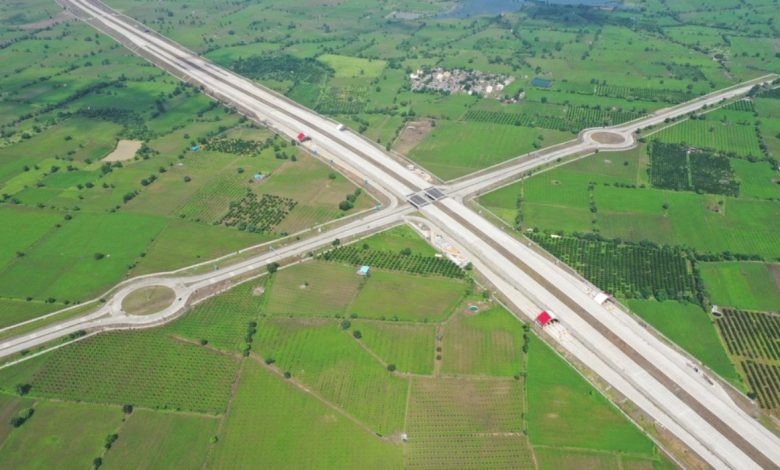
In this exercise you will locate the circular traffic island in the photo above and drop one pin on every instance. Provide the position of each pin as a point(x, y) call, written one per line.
point(148, 300)
point(608, 138)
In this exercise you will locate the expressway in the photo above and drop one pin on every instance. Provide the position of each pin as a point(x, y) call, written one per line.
point(609, 342)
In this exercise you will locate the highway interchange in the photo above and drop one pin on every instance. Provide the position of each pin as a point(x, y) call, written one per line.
point(657, 378)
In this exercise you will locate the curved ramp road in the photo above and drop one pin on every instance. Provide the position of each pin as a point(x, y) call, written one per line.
point(644, 369)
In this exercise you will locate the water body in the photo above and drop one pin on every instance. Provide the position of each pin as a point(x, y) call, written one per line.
point(469, 8)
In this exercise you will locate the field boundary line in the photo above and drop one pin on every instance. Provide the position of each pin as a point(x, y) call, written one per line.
point(302, 387)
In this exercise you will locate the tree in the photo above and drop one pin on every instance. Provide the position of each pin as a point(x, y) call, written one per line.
point(97, 462)
point(110, 439)
point(287, 374)
point(336, 242)
point(99, 256)
point(357, 334)
point(23, 389)
point(391, 367)
point(273, 267)
point(406, 251)
point(187, 179)
point(345, 324)
point(127, 409)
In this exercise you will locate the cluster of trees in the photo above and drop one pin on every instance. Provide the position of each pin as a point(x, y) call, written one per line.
point(349, 201)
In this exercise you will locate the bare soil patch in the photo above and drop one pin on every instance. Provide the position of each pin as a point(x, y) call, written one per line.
point(412, 134)
point(608, 138)
point(125, 150)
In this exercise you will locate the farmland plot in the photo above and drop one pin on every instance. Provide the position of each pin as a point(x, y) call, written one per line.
point(466, 423)
point(325, 358)
point(753, 340)
point(273, 424)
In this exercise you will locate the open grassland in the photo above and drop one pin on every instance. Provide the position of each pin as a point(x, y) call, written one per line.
point(397, 239)
point(401, 296)
point(148, 300)
point(166, 439)
point(61, 435)
point(457, 148)
point(409, 346)
point(690, 327)
point(314, 289)
point(573, 414)
point(326, 359)
point(488, 343)
point(273, 424)
point(745, 285)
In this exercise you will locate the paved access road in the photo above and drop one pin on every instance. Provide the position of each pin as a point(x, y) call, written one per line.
point(608, 341)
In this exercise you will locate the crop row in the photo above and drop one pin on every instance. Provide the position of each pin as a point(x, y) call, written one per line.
point(669, 166)
point(741, 105)
point(764, 380)
point(645, 94)
point(576, 118)
point(258, 214)
point(469, 451)
point(145, 368)
point(342, 100)
point(415, 264)
point(752, 335)
point(582, 117)
point(675, 166)
point(633, 270)
point(516, 119)
point(235, 146)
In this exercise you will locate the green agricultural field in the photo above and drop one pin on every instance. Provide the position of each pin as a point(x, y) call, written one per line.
point(466, 423)
point(744, 285)
point(409, 346)
point(394, 295)
point(399, 238)
point(573, 414)
point(487, 343)
point(295, 430)
point(314, 289)
point(751, 340)
point(318, 353)
point(149, 368)
point(720, 136)
point(293, 370)
point(457, 148)
point(222, 321)
point(64, 435)
point(167, 439)
point(690, 327)
point(352, 67)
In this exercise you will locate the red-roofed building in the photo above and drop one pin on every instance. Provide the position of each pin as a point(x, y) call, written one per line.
point(544, 318)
